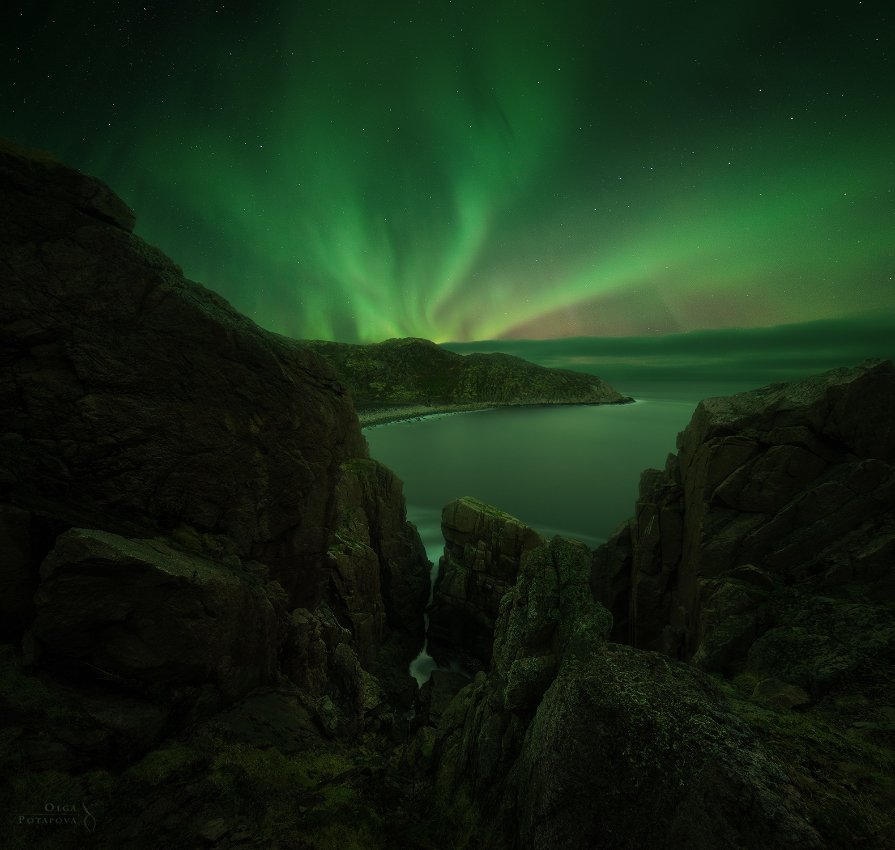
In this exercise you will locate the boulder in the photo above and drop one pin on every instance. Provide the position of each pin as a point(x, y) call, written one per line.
point(152, 619)
point(621, 733)
point(483, 550)
point(569, 740)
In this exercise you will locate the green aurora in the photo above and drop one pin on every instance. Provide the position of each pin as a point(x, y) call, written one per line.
point(502, 170)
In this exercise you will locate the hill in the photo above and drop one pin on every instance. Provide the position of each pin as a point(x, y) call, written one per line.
point(416, 374)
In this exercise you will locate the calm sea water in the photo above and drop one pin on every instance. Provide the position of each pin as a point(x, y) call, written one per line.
point(562, 470)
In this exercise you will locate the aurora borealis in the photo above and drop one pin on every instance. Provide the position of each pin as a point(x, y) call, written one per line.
point(465, 171)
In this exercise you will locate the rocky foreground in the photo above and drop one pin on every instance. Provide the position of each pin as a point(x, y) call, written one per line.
point(194, 544)
point(719, 674)
point(210, 593)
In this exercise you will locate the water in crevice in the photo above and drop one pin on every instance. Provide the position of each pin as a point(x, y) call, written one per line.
point(428, 522)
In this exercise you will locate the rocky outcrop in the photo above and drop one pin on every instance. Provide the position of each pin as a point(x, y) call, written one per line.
point(621, 733)
point(208, 592)
point(138, 401)
point(569, 741)
point(763, 554)
point(187, 509)
point(777, 502)
point(402, 372)
point(483, 549)
point(380, 571)
point(152, 619)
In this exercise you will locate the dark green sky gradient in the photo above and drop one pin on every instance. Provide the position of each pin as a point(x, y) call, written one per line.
point(460, 170)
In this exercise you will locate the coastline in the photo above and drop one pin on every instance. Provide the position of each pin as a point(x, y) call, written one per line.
point(370, 418)
point(373, 417)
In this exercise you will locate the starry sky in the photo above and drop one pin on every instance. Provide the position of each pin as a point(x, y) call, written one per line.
point(463, 170)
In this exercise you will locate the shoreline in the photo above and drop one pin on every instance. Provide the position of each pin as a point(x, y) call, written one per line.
point(371, 418)
point(413, 413)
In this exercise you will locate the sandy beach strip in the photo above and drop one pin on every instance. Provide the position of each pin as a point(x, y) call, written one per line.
point(386, 415)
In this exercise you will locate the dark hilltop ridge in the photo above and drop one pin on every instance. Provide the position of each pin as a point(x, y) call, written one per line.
point(210, 595)
point(402, 378)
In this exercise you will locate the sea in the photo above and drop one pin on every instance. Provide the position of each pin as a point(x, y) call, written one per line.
point(572, 470)
point(568, 470)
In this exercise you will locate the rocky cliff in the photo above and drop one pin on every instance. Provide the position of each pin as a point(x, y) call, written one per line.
point(790, 486)
point(190, 526)
point(571, 741)
point(209, 594)
point(401, 372)
point(483, 548)
point(755, 590)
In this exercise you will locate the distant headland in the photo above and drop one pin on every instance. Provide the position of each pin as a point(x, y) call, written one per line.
point(410, 378)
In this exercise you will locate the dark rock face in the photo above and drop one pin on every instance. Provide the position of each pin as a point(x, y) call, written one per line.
point(775, 496)
point(570, 741)
point(152, 618)
point(623, 733)
point(18, 580)
point(763, 554)
point(820, 642)
point(187, 510)
point(134, 399)
point(379, 570)
point(206, 588)
point(416, 371)
point(483, 549)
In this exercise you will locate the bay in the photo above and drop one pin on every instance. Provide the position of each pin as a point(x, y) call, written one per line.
point(570, 470)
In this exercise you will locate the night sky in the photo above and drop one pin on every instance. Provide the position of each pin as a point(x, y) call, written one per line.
point(463, 170)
